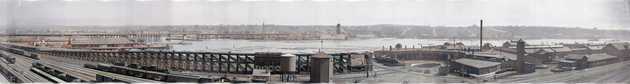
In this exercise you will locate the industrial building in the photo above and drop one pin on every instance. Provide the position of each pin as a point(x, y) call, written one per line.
point(476, 68)
point(591, 60)
point(585, 48)
point(618, 49)
point(100, 43)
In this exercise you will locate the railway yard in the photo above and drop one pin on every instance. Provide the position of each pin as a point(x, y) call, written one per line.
point(20, 65)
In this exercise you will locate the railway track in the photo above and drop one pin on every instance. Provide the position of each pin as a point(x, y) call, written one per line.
point(14, 72)
point(90, 73)
point(23, 66)
point(49, 76)
point(600, 74)
point(617, 76)
point(71, 72)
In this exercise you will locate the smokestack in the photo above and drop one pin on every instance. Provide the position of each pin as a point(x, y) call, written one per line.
point(338, 29)
point(480, 34)
point(520, 58)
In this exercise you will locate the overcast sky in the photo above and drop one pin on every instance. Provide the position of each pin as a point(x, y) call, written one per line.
point(574, 13)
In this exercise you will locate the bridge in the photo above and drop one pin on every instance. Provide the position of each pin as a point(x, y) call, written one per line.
point(193, 61)
point(68, 65)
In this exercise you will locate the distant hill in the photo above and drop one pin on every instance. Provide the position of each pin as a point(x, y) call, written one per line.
point(390, 31)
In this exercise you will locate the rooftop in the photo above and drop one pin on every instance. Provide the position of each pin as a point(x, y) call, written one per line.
point(496, 54)
point(538, 50)
point(476, 63)
point(619, 45)
point(595, 47)
point(593, 57)
point(88, 40)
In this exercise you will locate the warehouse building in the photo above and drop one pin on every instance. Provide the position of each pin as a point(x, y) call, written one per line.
point(476, 68)
point(618, 49)
point(587, 61)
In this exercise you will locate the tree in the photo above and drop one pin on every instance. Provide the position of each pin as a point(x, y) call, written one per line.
point(398, 46)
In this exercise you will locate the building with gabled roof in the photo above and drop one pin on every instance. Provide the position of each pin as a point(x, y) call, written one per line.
point(621, 50)
point(591, 60)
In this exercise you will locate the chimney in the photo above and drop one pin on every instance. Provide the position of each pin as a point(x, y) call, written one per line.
point(480, 35)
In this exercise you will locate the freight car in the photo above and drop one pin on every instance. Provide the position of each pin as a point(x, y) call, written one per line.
point(52, 74)
point(23, 53)
point(151, 74)
point(8, 58)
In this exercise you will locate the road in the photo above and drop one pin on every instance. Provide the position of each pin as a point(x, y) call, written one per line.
point(612, 73)
point(399, 74)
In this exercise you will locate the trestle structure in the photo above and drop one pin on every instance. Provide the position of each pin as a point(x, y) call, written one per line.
point(242, 63)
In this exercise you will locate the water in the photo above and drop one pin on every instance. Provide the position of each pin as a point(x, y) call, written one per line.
point(336, 46)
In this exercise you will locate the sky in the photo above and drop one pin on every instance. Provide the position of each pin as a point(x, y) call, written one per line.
point(572, 13)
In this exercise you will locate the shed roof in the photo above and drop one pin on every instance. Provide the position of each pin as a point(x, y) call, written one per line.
point(476, 63)
point(618, 45)
point(595, 47)
point(497, 54)
point(592, 57)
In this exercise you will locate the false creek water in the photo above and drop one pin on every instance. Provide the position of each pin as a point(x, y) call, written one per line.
point(336, 46)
